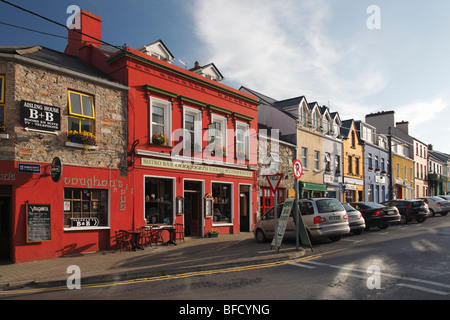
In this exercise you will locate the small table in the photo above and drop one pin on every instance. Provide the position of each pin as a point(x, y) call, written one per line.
point(136, 235)
point(171, 229)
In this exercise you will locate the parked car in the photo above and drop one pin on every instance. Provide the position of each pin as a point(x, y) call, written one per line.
point(376, 214)
point(356, 221)
point(323, 218)
point(410, 209)
point(445, 197)
point(437, 205)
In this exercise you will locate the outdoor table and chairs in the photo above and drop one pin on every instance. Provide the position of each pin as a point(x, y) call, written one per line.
point(145, 235)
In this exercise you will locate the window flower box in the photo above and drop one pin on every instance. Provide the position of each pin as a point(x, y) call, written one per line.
point(84, 138)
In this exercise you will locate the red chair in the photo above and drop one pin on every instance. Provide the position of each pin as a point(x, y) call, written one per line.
point(123, 240)
point(179, 231)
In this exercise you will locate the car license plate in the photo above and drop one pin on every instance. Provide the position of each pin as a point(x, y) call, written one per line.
point(334, 218)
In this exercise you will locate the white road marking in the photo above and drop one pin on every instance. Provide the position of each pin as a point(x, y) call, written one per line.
point(442, 293)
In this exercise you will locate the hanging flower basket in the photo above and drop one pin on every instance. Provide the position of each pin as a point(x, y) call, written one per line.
point(2, 128)
point(159, 139)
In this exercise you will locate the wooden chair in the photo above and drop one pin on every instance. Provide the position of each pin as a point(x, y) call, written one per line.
point(123, 240)
point(179, 231)
point(145, 237)
point(155, 236)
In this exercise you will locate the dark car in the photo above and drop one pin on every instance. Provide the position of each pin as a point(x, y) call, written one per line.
point(409, 210)
point(376, 214)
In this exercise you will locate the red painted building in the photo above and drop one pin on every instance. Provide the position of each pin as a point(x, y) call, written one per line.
point(208, 148)
point(46, 96)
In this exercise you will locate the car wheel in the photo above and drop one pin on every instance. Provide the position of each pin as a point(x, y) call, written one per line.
point(403, 219)
point(444, 214)
point(420, 220)
point(358, 231)
point(260, 236)
point(336, 238)
point(431, 213)
point(383, 226)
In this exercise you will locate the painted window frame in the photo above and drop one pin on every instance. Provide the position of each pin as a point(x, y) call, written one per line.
point(223, 133)
point(81, 117)
point(245, 127)
point(197, 114)
point(167, 109)
point(2, 98)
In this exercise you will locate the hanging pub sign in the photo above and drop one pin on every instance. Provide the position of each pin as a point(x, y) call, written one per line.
point(56, 169)
point(40, 116)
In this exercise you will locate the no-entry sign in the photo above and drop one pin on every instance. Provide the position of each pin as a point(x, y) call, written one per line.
point(298, 169)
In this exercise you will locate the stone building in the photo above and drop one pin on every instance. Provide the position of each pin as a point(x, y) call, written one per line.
point(49, 99)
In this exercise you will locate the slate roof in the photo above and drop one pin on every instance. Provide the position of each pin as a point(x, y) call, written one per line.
point(55, 58)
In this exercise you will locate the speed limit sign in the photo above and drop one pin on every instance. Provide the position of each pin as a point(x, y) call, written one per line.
point(298, 169)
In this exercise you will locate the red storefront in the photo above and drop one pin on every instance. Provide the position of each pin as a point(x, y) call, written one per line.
point(208, 149)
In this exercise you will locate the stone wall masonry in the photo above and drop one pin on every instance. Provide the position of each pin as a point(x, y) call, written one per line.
point(36, 84)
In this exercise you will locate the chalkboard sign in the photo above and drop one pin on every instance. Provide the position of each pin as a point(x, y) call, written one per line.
point(38, 222)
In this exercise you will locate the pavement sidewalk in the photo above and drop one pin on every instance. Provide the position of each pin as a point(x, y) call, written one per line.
point(195, 254)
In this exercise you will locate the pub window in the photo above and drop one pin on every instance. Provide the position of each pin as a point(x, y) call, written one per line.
point(159, 202)
point(85, 203)
point(2, 99)
point(222, 194)
point(160, 118)
point(81, 112)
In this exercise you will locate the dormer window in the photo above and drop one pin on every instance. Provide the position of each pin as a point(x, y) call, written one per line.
point(158, 50)
point(209, 71)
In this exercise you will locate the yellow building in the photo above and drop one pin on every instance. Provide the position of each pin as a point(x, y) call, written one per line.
point(353, 154)
point(402, 171)
point(309, 148)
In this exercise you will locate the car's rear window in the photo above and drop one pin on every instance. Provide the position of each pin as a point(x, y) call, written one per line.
point(328, 205)
point(348, 207)
point(417, 204)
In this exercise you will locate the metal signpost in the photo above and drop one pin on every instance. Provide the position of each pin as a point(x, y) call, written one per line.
point(274, 181)
point(300, 229)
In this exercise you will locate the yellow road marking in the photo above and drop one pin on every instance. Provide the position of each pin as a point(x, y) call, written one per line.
point(173, 277)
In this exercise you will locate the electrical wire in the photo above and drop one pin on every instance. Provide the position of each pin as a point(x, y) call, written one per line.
point(57, 23)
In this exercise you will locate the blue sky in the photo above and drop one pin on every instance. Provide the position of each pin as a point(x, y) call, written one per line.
point(322, 49)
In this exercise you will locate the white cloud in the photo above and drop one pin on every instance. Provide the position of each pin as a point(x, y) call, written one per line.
point(283, 49)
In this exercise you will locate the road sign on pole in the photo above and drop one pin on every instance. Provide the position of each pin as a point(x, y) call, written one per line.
point(298, 169)
point(274, 181)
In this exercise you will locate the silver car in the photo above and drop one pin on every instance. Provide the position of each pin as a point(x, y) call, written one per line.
point(323, 218)
point(355, 219)
point(437, 205)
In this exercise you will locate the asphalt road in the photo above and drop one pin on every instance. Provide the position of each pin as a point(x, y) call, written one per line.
point(409, 262)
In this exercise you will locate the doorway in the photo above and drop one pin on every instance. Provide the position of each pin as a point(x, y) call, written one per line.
point(244, 208)
point(193, 208)
point(5, 223)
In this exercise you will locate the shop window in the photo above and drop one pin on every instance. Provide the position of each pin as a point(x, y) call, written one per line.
point(2, 99)
point(242, 141)
point(160, 118)
point(81, 112)
point(222, 194)
point(267, 197)
point(159, 202)
point(85, 203)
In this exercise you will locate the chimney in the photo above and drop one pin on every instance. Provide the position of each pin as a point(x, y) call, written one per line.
point(89, 34)
point(403, 126)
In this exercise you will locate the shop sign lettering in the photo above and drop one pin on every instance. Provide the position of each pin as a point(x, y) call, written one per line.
point(115, 185)
point(40, 116)
point(7, 176)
